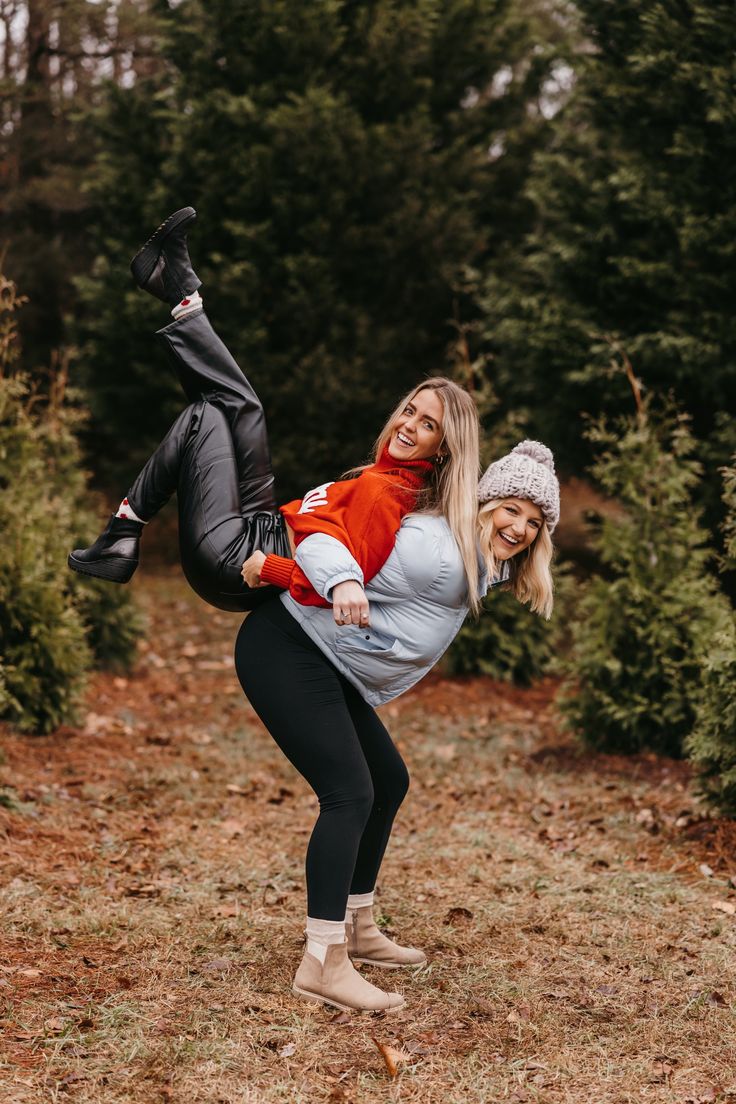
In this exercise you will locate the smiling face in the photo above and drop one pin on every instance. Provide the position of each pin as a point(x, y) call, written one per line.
point(416, 433)
point(516, 522)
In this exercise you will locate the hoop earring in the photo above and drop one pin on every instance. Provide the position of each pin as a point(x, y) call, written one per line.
point(439, 459)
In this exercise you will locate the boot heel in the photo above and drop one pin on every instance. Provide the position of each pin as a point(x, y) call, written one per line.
point(114, 569)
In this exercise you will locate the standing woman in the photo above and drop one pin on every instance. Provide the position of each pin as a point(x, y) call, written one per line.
point(314, 677)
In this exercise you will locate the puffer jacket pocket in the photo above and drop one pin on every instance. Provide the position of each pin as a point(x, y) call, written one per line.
point(377, 659)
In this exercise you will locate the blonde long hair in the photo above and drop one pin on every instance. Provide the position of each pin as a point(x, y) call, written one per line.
point(451, 491)
point(530, 577)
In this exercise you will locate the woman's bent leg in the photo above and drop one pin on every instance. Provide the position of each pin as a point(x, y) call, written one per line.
point(206, 369)
point(390, 784)
point(300, 697)
point(196, 458)
point(366, 943)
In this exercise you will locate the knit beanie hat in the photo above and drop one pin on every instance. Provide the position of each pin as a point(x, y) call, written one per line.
point(528, 471)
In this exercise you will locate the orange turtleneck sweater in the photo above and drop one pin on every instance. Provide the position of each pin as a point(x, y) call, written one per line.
point(363, 513)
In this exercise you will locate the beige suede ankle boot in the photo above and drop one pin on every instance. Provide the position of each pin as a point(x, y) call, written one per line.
point(366, 943)
point(337, 982)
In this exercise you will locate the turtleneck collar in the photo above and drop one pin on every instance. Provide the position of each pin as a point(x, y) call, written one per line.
point(415, 470)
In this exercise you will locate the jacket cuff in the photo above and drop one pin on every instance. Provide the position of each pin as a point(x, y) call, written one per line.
point(341, 577)
point(277, 570)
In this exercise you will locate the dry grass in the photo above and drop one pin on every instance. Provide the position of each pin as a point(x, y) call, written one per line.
point(153, 901)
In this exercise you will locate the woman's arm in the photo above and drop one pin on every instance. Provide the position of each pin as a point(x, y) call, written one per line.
point(349, 603)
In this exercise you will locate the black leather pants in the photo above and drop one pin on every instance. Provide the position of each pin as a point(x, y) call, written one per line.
point(216, 457)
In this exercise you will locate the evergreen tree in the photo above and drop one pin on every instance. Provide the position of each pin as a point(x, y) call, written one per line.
point(644, 625)
point(337, 154)
point(634, 243)
point(53, 626)
point(55, 57)
point(729, 524)
point(712, 744)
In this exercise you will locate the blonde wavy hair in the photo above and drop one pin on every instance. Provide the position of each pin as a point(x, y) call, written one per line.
point(530, 577)
point(452, 486)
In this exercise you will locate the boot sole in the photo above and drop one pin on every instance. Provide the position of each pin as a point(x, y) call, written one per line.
point(317, 999)
point(145, 259)
point(115, 569)
point(389, 965)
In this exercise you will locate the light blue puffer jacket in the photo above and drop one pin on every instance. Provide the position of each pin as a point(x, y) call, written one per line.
point(417, 604)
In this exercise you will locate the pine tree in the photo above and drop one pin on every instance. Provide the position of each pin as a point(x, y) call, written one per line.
point(729, 523)
point(337, 155)
point(56, 57)
point(712, 744)
point(645, 623)
point(53, 626)
point(634, 240)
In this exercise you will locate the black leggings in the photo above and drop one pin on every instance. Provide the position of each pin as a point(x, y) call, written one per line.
point(216, 457)
point(336, 741)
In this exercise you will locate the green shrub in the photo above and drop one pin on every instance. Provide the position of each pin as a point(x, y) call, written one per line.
point(729, 523)
point(509, 642)
point(51, 624)
point(712, 744)
point(44, 649)
point(113, 623)
point(644, 625)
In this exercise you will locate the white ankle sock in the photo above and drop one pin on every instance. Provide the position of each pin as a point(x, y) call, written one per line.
point(323, 933)
point(188, 305)
point(125, 510)
point(359, 900)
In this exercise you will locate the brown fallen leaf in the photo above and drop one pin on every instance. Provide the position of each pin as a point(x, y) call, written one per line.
point(662, 1072)
point(705, 870)
point(702, 1096)
point(725, 906)
point(147, 890)
point(218, 966)
point(340, 1018)
point(457, 915)
point(31, 972)
point(231, 827)
point(392, 1057)
point(71, 1078)
point(287, 1051)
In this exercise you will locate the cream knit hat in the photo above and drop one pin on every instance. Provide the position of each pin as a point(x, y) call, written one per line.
point(528, 471)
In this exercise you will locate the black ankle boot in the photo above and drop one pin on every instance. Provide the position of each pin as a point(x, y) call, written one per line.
point(114, 555)
point(162, 266)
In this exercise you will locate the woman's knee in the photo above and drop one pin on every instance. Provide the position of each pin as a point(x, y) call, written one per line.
point(393, 787)
point(353, 805)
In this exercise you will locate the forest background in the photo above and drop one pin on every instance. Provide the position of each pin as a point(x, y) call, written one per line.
point(538, 199)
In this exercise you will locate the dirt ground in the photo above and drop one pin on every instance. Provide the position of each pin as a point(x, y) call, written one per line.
point(579, 912)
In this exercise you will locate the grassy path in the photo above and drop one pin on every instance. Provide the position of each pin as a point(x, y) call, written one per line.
point(577, 912)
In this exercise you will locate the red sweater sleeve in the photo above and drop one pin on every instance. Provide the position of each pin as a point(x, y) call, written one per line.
point(277, 570)
point(364, 514)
